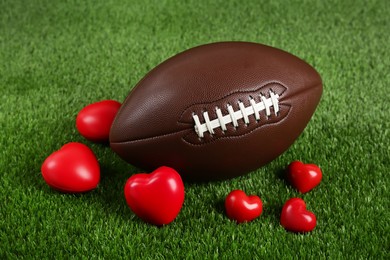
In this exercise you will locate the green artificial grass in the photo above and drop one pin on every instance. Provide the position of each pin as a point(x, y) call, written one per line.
point(58, 56)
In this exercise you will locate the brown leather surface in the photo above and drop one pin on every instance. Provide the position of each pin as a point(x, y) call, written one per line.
point(154, 126)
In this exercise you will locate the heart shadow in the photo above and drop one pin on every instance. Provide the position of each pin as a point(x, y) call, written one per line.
point(281, 174)
point(219, 206)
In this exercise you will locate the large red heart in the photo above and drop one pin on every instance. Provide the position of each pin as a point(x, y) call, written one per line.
point(157, 197)
point(74, 168)
point(94, 121)
point(243, 208)
point(304, 177)
point(296, 218)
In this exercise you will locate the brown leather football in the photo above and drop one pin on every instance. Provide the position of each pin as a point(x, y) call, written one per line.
point(217, 111)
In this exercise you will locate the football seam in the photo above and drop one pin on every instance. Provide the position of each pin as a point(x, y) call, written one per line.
point(314, 86)
point(237, 136)
point(191, 129)
point(152, 137)
point(227, 137)
point(229, 94)
point(233, 116)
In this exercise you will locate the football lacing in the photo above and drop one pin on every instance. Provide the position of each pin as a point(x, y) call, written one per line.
point(233, 116)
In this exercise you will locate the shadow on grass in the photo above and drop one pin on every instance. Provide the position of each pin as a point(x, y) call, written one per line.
point(282, 175)
point(114, 174)
point(219, 206)
point(109, 195)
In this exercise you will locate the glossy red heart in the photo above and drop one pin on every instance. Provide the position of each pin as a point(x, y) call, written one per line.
point(74, 168)
point(157, 197)
point(296, 218)
point(243, 208)
point(94, 121)
point(304, 177)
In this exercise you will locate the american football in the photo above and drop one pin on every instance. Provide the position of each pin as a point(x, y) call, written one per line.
point(217, 111)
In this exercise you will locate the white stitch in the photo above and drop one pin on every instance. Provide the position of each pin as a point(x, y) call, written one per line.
point(220, 119)
point(266, 106)
point(256, 111)
point(244, 113)
point(198, 126)
point(208, 123)
point(233, 116)
point(275, 102)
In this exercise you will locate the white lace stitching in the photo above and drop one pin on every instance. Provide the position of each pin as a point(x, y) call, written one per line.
point(233, 116)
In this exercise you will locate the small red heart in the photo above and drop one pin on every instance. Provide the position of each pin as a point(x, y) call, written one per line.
point(296, 218)
point(74, 168)
point(304, 177)
point(94, 121)
point(243, 208)
point(157, 197)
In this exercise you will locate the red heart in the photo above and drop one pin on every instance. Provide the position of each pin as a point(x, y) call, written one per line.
point(74, 168)
point(157, 197)
point(296, 218)
point(243, 208)
point(94, 121)
point(304, 177)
